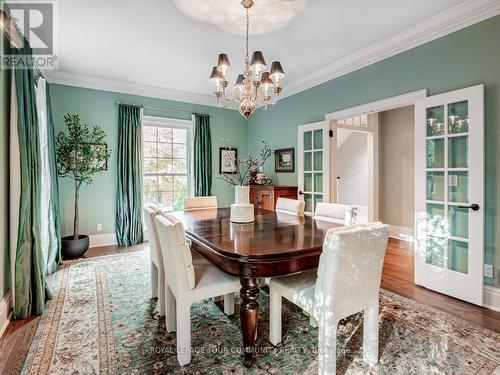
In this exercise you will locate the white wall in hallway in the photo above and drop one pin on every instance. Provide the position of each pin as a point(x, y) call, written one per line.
point(397, 166)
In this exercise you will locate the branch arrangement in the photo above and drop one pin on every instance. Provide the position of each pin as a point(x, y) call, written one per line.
point(244, 166)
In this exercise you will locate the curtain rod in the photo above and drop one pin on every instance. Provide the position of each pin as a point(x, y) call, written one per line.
point(163, 109)
point(10, 30)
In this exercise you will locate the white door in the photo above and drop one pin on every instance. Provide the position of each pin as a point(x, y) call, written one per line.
point(313, 164)
point(449, 193)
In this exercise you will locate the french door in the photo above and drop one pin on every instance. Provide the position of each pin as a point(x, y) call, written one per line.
point(314, 164)
point(449, 193)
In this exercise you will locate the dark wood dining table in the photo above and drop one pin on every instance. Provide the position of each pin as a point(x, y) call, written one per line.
point(275, 244)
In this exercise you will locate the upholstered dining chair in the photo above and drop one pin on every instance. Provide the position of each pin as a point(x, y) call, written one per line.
point(188, 280)
point(361, 214)
point(157, 272)
point(157, 267)
point(200, 203)
point(336, 213)
point(290, 206)
point(347, 281)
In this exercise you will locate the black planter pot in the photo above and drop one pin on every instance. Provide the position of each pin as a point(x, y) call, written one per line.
point(72, 248)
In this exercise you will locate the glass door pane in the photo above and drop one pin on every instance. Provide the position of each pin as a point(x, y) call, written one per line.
point(458, 187)
point(435, 186)
point(458, 117)
point(458, 256)
point(457, 152)
point(435, 153)
point(458, 222)
point(435, 121)
point(307, 141)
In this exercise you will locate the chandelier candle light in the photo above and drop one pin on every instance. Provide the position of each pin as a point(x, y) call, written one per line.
point(253, 88)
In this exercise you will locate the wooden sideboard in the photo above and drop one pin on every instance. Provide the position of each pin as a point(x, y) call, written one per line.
point(266, 196)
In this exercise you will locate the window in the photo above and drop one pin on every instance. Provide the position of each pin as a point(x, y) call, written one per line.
point(167, 150)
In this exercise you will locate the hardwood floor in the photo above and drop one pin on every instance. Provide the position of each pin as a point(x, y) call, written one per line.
point(397, 276)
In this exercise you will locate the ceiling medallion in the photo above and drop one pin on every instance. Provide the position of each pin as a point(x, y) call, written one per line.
point(268, 16)
point(255, 86)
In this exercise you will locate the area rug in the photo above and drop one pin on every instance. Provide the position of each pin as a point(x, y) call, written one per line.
point(102, 321)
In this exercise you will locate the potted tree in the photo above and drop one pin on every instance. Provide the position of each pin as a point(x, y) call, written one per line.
point(81, 153)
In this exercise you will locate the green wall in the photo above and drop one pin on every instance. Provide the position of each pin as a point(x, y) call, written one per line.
point(4, 178)
point(96, 107)
point(465, 58)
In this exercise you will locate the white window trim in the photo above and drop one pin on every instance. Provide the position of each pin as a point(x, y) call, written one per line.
point(179, 124)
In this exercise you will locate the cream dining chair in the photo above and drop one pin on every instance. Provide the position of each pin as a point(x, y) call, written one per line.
point(188, 280)
point(347, 281)
point(157, 267)
point(157, 273)
point(290, 206)
point(200, 203)
point(361, 214)
point(336, 213)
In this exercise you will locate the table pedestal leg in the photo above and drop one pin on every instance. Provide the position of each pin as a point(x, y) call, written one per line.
point(249, 314)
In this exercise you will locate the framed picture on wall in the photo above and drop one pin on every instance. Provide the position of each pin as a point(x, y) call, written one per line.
point(284, 160)
point(227, 160)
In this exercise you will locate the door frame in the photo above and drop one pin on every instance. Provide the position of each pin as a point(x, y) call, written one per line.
point(375, 107)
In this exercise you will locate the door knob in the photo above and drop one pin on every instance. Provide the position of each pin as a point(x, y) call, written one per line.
point(473, 207)
point(301, 193)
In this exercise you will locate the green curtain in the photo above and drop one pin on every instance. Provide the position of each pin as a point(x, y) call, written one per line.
point(54, 252)
point(129, 229)
point(30, 289)
point(202, 156)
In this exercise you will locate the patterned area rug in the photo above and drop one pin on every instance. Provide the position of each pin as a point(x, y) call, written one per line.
point(101, 321)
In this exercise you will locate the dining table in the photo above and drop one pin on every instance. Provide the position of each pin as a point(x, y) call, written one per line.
point(274, 244)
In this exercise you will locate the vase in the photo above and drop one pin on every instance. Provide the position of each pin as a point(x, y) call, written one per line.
point(242, 209)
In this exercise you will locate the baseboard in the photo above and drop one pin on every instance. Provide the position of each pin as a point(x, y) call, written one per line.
point(106, 239)
point(491, 298)
point(5, 312)
point(402, 233)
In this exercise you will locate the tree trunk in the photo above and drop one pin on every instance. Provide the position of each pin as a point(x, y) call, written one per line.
point(76, 223)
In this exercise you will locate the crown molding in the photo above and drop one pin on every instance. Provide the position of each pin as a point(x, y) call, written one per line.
point(447, 22)
point(123, 87)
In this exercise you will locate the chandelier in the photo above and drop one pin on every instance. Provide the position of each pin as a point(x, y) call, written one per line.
point(255, 86)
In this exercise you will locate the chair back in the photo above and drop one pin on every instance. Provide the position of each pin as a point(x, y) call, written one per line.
point(179, 271)
point(200, 203)
point(290, 206)
point(336, 213)
point(350, 269)
point(150, 213)
point(362, 215)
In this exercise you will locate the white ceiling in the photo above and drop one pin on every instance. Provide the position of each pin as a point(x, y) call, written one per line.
point(151, 42)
